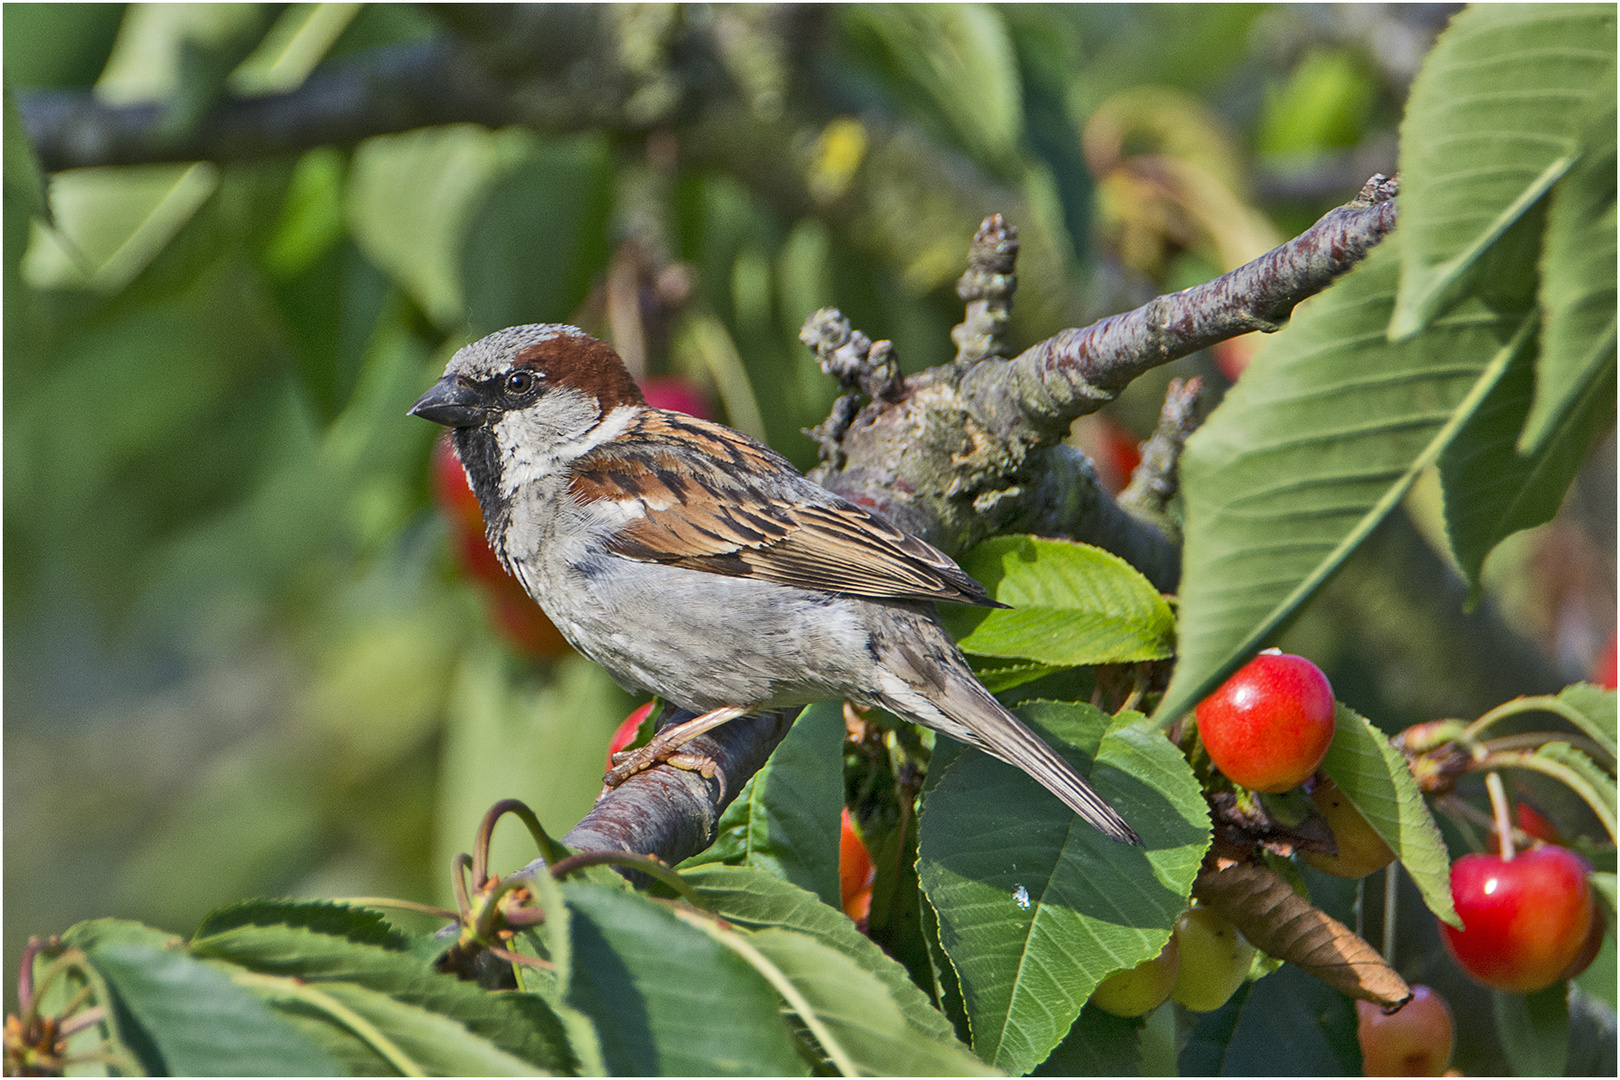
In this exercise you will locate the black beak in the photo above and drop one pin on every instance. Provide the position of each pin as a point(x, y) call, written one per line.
point(452, 403)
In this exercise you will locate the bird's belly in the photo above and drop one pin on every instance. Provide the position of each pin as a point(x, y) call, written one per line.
point(705, 640)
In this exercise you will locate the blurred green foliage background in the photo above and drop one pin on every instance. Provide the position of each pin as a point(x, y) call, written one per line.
point(240, 658)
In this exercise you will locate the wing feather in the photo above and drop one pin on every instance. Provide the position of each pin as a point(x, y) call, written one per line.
point(741, 510)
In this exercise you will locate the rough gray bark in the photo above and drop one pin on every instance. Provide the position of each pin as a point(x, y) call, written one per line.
point(671, 813)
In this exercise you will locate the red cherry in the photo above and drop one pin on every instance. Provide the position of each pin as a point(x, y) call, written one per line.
point(476, 557)
point(1589, 948)
point(855, 872)
point(1232, 356)
point(524, 625)
point(1525, 921)
point(1603, 668)
point(677, 394)
point(627, 731)
point(1417, 1040)
point(1269, 726)
point(1532, 822)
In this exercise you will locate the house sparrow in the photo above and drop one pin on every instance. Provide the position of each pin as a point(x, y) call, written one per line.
point(693, 562)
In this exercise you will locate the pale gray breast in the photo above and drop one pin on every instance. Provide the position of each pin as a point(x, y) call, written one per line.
point(705, 640)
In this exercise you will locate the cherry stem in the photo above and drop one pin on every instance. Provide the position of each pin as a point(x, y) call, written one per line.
point(519, 958)
point(1533, 740)
point(550, 850)
point(484, 924)
point(1139, 673)
point(1463, 813)
point(1504, 816)
point(77, 1023)
point(25, 977)
point(458, 874)
point(1537, 703)
point(1391, 881)
point(1565, 775)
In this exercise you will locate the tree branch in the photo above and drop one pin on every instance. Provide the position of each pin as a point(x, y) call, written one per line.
point(380, 92)
point(671, 812)
point(1077, 372)
point(957, 457)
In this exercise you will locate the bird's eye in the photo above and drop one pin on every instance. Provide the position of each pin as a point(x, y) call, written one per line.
point(519, 382)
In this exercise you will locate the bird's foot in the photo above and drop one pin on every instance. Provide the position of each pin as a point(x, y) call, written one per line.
point(666, 749)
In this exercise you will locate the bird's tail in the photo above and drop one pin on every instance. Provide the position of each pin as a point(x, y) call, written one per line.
point(977, 718)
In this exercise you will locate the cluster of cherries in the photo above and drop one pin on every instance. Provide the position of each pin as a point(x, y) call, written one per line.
point(1529, 920)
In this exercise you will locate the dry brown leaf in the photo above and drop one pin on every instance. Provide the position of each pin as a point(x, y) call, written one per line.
point(1284, 924)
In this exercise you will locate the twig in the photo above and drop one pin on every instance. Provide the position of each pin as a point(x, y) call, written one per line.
point(1076, 372)
point(380, 92)
point(1154, 481)
point(987, 287)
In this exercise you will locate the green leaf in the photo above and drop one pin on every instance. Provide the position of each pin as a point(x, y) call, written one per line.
point(555, 199)
point(112, 222)
point(194, 1019)
point(1582, 775)
point(435, 1043)
point(857, 1012)
point(24, 181)
point(1327, 430)
point(1374, 777)
point(1287, 1024)
point(1604, 885)
point(523, 1025)
point(667, 999)
point(1070, 604)
point(1490, 489)
point(411, 197)
point(999, 677)
point(755, 899)
point(1592, 709)
point(1577, 278)
point(356, 924)
point(786, 819)
point(1489, 128)
point(1534, 1029)
point(961, 57)
point(555, 940)
point(1035, 907)
point(1097, 1045)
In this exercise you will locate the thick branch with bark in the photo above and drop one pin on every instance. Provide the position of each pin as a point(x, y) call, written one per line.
point(1077, 372)
point(670, 812)
point(960, 456)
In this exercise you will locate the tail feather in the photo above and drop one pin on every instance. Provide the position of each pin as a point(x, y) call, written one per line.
point(979, 719)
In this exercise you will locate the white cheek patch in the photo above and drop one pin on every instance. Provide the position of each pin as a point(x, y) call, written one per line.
point(538, 442)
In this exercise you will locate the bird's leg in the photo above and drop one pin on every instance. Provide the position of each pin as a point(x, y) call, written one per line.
point(665, 746)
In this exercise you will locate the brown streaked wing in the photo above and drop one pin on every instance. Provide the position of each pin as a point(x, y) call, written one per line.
point(723, 521)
